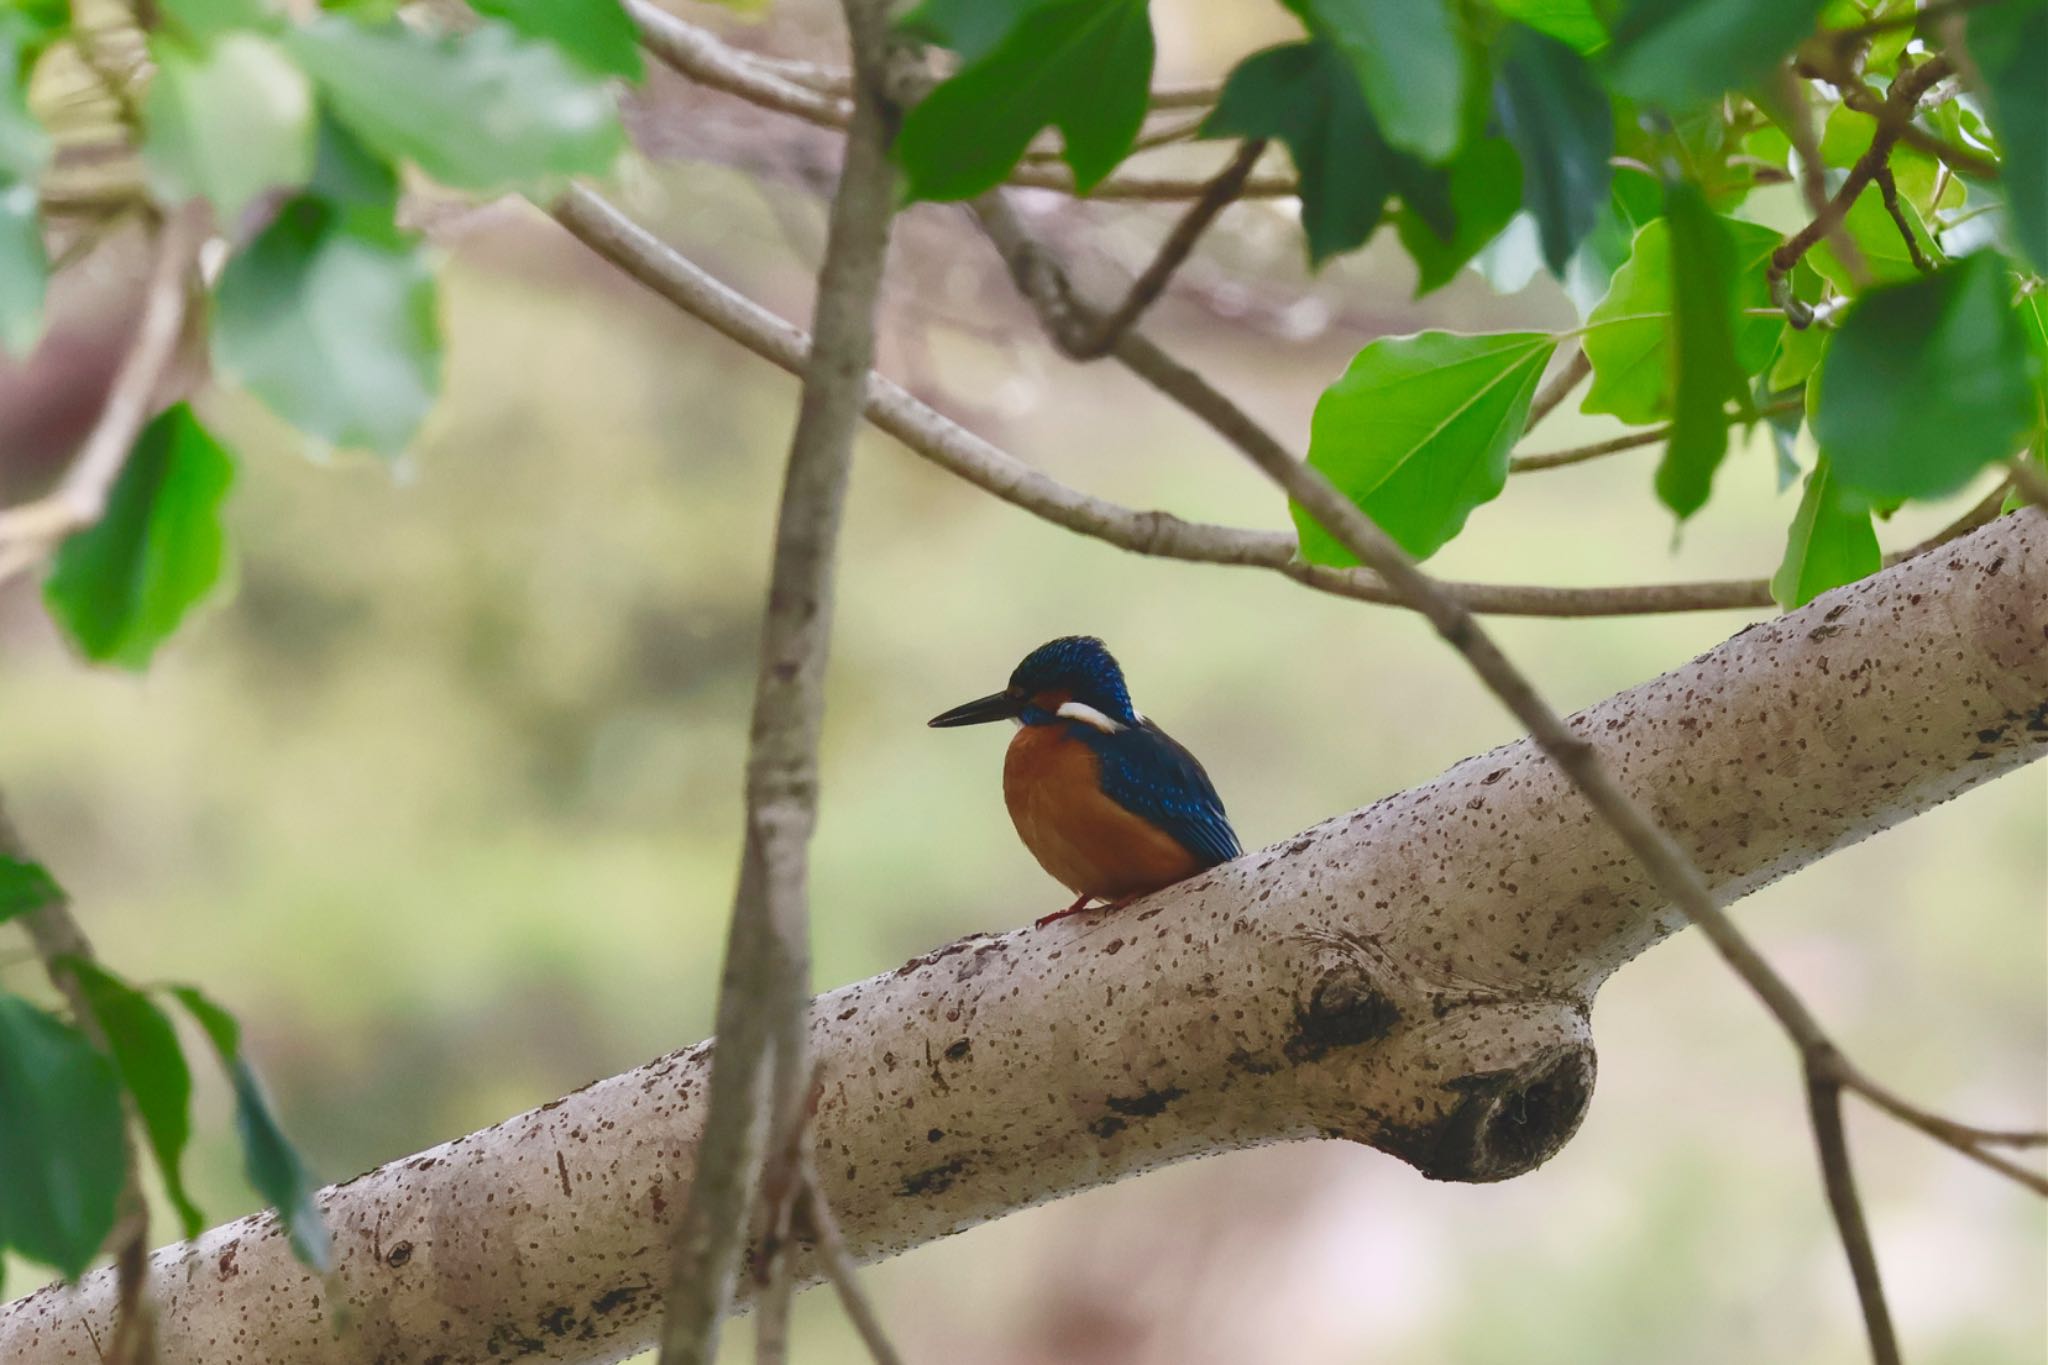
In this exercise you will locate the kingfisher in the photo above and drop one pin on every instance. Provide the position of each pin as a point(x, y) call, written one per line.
point(1110, 804)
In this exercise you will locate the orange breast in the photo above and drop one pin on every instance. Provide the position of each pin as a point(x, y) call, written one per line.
point(1085, 840)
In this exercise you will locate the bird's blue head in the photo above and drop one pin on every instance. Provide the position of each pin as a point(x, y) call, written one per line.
point(1075, 672)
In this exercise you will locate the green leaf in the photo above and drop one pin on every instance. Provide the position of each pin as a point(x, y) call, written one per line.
point(1926, 382)
point(202, 20)
point(272, 1165)
point(1305, 95)
point(24, 146)
point(595, 34)
point(334, 327)
point(121, 586)
point(350, 175)
point(1799, 350)
point(25, 886)
point(1568, 21)
point(1082, 66)
point(1485, 190)
point(2010, 45)
point(24, 269)
point(1409, 64)
point(972, 28)
point(1832, 542)
point(228, 122)
point(60, 1141)
point(1706, 372)
point(1556, 114)
point(1869, 225)
point(1417, 433)
point(487, 111)
point(152, 1067)
point(1628, 336)
point(1635, 197)
point(1674, 54)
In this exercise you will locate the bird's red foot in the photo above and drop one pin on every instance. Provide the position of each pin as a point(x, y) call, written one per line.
point(1080, 904)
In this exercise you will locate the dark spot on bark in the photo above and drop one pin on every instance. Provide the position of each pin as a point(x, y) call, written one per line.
point(1343, 1010)
point(506, 1336)
point(227, 1266)
point(1108, 1126)
point(1251, 1064)
point(1835, 613)
point(1298, 846)
point(936, 1179)
point(956, 1051)
point(1113, 947)
point(935, 1135)
point(1504, 1123)
point(399, 1254)
point(562, 1168)
point(1145, 1106)
point(613, 1299)
point(1496, 775)
point(1823, 632)
point(1981, 753)
point(1991, 735)
point(558, 1321)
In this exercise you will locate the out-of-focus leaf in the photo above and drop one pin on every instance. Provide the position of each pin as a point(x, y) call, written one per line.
point(25, 886)
point(24, 152)
point(1674, 54)
point(1870, 225)
point(152, 1067)
point(272, 1165)
point(489, 110)
point(1082, 66)
point(1409, 64)
point(595, 34)
point(203, 20)
point(1554, 111)
point(60, 1139)
point(1926, 382)
point(1568, 21)
point(1706, 373)
point(228, 121)
point(2009, 43)
point(1635, 198)
point(1799, 350)
point(334, 327)
point(1628, 337)
point(1485, 189)
point(1305, 94)
point(1417, 433)
point(121, 586)
point(1831, 542)
point(348, 174)
point(1846, 135)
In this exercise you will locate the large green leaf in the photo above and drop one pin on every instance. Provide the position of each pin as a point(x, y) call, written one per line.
point(1417, 433)
point(1674, 54)
point(1706, 373)
point(595, 34)
point(61, 1159)
point(1305, 94)
point(1409, 64)
point(1568, 21)
point(1628, 336)
point(228, 121)
point(25, 886)
point(152, 1067)
point(1926, 382)
point(121, 586)
point(490, 110)
point(1484, 187)
point(1082, 66)
point(272, 1165)
point(334, 326)
point(971, 28)
point(1556, 114)
point(1831, 542)
point(2009, 43)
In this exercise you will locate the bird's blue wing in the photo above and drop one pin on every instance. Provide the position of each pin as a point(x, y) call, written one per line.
point(1149, 774)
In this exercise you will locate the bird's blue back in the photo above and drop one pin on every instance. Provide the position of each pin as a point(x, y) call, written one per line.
point(1148, 773)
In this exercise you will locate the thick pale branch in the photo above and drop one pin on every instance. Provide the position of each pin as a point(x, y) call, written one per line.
point(1415, 974)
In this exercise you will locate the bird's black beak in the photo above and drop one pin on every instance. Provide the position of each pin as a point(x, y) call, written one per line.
point(994, 706)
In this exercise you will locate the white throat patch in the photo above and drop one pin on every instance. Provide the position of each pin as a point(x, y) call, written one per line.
point(1088, 715)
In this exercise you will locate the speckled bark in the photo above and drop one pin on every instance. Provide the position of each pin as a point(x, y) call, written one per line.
point(1416, 975)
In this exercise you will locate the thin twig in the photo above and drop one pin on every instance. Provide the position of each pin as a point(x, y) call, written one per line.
point(1044, 283)
point(2029, 481)
point(1838, 1179)
point(1793, 96)
point(930, 434)
point(759, 1068)
point(1559, 388)
point(1173, 251)
point(1888, 190)
point(59, 941)
point(837, 1264)
point(1648, 436)
point(30, 531)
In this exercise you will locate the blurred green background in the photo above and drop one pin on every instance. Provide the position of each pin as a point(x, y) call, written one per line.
point(445, 801)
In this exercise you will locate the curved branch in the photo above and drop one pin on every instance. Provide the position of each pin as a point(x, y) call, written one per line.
point(1415, 974)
